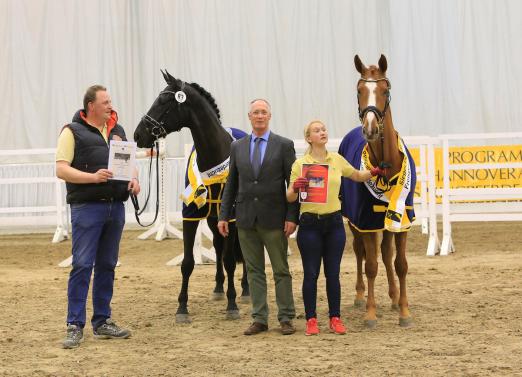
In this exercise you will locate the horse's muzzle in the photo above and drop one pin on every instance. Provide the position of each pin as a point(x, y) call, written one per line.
point(142, 137)
point(370, 132)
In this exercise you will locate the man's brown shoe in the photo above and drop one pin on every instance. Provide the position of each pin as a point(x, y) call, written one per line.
point(287, 328)
point(256, 328)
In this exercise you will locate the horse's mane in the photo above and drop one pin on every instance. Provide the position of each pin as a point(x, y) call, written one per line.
point(208, 97)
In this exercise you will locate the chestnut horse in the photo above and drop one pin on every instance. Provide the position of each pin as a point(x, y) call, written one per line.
point(367, 205)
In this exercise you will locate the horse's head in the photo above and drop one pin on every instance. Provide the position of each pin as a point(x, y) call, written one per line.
point(373, 96)
point(168, 113)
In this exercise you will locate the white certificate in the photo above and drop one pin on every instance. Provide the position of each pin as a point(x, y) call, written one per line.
point(122, 159)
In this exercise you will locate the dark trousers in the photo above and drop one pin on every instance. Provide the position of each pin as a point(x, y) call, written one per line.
point(321, 238)
point(96, 234)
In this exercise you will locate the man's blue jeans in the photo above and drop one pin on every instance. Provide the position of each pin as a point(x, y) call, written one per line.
point(321, 237)
point(96, 234)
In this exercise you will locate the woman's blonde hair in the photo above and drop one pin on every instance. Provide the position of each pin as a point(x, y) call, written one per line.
point(307, 133)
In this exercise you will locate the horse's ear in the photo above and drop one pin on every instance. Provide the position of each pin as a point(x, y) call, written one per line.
point(170, 79)
point(358, 64)
point(383, 64)
point(165, 75)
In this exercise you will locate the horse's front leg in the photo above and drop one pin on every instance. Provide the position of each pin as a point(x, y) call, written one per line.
point(387, 258)
point(187, 266)
point(358, 249)
point(217, 242)
point(227, 247)
point(370, 241)
point(401, 267)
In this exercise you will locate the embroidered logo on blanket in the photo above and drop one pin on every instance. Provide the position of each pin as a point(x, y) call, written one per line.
point(195, 191)
point(395, 219)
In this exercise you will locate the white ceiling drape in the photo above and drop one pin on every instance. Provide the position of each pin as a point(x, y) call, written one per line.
point(453, 64)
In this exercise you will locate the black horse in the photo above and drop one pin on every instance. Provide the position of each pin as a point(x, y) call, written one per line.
point(180, 105)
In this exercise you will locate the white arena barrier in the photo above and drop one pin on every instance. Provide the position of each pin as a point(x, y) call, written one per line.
point(17, 215)
point(495, 204)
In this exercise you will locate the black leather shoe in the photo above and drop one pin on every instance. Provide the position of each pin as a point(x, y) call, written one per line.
point(287, 328)
point(256, 328)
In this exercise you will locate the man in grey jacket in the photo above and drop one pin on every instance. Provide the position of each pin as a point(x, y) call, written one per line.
point(260, 166)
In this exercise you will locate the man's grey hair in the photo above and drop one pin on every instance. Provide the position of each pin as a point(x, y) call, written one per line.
point(259, 99)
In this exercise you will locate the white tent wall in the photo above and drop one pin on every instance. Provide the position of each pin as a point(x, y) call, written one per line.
point(453, 64)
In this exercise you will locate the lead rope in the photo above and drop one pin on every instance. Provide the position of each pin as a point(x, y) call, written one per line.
point(134, 198)
point(383, 180)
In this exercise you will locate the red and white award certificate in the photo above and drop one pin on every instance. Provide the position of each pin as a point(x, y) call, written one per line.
point(317, 189)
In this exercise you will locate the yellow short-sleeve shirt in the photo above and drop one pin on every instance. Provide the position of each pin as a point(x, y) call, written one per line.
point(65, 146)
point(337, 167)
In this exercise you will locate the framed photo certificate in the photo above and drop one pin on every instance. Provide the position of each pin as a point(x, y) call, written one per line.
point(317, 190)
point(122, 159)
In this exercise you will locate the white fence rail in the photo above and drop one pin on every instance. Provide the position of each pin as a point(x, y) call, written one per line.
point(18, 214)
point(495, 203)
point(502, 204)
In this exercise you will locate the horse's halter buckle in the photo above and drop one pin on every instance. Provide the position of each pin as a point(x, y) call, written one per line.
point(157, 128)
point(378, 113)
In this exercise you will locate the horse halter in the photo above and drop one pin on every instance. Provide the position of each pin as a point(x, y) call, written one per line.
point(157, 127)
point(378, 113)
point(380, 122)
point(157, 130)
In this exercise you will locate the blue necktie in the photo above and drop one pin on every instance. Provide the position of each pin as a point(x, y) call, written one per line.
point(256, 158)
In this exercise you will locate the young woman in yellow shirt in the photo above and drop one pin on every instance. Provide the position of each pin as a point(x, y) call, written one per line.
point(321, 234)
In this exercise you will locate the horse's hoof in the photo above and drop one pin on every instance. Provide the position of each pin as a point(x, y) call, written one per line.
point(218, 296)
point(405, 322)
point(359, 303)
point(371, 323)
point(244, 299)
point(395, 306)
point(233, 314)
point(183, 318)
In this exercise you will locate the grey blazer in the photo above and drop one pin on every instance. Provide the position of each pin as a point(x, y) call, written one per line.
point(262, 199)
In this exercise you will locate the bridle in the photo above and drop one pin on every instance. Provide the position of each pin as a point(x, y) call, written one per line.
point(157, 130)
point(156, 127)
point(380, 123)
point(378, 113)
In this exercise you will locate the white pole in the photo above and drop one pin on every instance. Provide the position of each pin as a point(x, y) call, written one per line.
point(163, 228)
point(433, 242)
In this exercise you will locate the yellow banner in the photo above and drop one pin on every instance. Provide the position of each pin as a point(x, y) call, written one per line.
point(475, 178)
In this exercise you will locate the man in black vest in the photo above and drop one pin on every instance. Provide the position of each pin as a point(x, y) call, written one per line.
point(97, 213)
point(259, 172)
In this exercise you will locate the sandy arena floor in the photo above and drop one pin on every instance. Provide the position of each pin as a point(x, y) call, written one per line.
point(467, 311)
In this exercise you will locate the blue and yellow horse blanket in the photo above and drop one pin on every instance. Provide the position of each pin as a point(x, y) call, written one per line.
point(366, 205)
point(203, 190)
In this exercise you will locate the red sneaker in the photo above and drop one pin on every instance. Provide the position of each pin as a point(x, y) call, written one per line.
point(337, 326)
point(311, 327)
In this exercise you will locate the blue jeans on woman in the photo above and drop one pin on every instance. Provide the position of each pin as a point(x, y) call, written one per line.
point(321, 237)
point(96, 234)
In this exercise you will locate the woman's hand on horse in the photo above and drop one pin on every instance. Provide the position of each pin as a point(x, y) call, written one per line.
point(102, 175)
point(300, 183)
point(223, 228)
point(377, 171)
